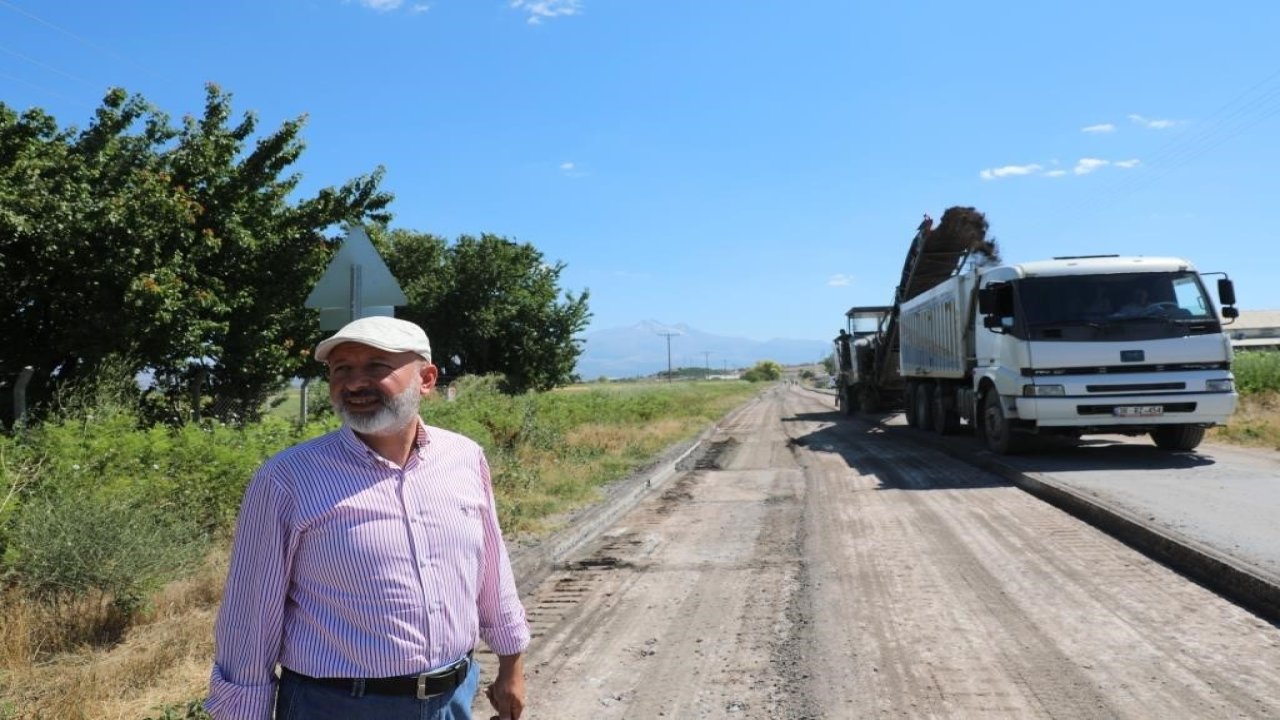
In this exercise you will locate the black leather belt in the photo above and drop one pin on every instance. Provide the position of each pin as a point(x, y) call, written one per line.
point(421, 686)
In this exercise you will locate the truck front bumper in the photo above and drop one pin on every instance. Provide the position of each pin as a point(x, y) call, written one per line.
point(1204, 408)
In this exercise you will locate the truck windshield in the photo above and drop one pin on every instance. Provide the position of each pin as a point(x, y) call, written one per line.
point(1115, 307)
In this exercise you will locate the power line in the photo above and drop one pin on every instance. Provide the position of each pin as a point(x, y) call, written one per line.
point(41, 88)
point(45, 66)
point(93, 46)
point(1258, 103)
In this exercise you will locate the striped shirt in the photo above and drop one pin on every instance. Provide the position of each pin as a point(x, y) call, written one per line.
point(347, 565)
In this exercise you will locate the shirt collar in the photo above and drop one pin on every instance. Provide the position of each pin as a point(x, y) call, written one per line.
point(352, 443)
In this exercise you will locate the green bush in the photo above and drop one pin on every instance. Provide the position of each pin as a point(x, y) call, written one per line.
point(763, 371)
point(116, 551)
point(1257, 371)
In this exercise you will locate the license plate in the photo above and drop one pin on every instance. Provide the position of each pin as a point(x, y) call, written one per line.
point(1139, 410)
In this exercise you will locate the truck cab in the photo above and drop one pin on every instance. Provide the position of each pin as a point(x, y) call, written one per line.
point(858, 351)
point(1130, 345)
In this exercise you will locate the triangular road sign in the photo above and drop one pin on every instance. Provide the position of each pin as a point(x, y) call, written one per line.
point(356, 284)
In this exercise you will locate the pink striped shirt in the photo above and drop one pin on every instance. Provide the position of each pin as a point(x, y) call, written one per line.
point(346, 565)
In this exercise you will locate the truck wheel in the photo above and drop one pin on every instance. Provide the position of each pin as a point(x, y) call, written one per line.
point(995, 427)
point(869, 400)
point(1177, 438)
point(924, 406)
point(909, 404)
point(946, 421)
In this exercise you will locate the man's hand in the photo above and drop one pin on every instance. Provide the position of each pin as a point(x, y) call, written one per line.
point(506, 694)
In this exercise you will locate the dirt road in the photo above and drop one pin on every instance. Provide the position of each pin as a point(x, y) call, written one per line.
point(813, 568)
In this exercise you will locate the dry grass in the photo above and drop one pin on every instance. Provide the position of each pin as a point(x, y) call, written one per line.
point(1256, 423)
point(163, 660)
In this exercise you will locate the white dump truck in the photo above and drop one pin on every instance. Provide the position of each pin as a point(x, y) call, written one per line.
point(1072, 345)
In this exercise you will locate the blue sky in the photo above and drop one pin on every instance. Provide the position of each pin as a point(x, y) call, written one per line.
point(751, 169)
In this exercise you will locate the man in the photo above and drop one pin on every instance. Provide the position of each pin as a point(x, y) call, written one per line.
point(1137, 304)
point(366, 562)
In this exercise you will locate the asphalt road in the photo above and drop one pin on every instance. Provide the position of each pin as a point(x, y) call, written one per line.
point(805, 565)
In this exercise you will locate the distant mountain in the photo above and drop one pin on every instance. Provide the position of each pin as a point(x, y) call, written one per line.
point(641, 349)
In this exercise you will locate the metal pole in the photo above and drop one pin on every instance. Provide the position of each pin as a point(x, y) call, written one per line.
point(20, 395)
point(668, 336)
point(668, 358)
point(302, 402)
point(357, 300)
point(197, 391)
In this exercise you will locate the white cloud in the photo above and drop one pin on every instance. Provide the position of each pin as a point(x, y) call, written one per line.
point(419, 8)
point(1009, 170)
point(1126, 164)
point(571, 169)
point(382, 5)
point(1099, 128)
point(1055, 173)
point(1087, 165)
point(840, 280)
point(539, 10)
point(1152, 124)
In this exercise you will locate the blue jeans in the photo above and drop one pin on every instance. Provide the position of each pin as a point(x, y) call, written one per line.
point(300, 700)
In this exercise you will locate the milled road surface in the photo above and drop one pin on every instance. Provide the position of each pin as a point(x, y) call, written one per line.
point(814, 568)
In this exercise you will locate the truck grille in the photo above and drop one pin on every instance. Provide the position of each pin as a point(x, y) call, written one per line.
point(1137, 387)
point(1120, 369)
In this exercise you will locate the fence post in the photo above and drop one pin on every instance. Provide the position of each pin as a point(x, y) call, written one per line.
point(20, 395)
point(197, 390)
point(302, 402)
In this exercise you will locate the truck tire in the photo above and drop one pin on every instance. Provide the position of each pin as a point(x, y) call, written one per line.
point(924, 406)
point(1177, 438)
point(909, 404)
point(946, 421)
point(1000, 437)
point(868, 400)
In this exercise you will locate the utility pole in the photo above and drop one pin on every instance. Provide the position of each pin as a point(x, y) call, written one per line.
point(706, 363)
point(668, 336)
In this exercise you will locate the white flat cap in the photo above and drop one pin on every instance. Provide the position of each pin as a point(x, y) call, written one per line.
point(385, 333)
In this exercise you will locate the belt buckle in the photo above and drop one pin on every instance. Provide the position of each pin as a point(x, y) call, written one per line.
point(422, 687)
point(443, 672)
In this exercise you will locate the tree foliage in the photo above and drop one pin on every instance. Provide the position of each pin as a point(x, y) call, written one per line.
point(490, 306)
point(765, 370)
point(176, 247)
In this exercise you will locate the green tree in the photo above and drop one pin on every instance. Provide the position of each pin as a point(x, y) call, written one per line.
point(179, 248)
point(490, 305)
point(763, 371)
point(829, 364)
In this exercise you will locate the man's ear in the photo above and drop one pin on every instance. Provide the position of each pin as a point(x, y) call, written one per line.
point(428, 374)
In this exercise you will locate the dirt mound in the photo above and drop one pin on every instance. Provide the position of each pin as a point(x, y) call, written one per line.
point(964, 229)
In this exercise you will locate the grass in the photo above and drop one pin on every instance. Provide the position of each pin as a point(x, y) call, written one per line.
point(1256, 423)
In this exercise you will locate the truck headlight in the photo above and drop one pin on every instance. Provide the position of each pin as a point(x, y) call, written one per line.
point(1219, 385)
point(1044, 391)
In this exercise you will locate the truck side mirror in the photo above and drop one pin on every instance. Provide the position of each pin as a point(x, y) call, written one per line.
point(1226, 293)
point(987, 300)
point(993, 322)
point(1230, 313)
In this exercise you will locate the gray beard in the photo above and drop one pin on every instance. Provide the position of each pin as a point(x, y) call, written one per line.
point(392, 416)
